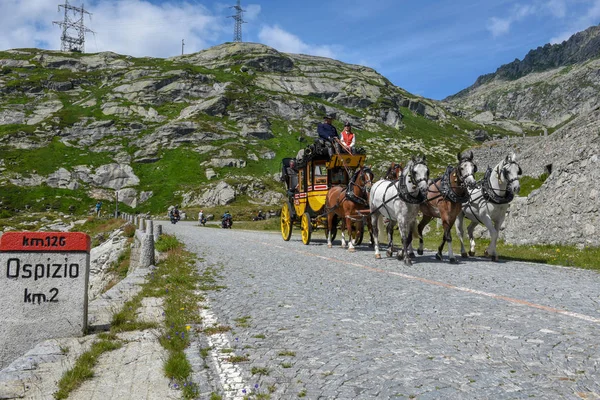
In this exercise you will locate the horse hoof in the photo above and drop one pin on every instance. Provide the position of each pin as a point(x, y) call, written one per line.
point(495, 258)
point(407, 262)
point(438, 256)
point(485, 253)
point(388, 252)
point(412, 255)
point(453, 261)
point(472, 253)
point(464, 255)
point(351, 249)
point(420, 252)
point(329, 245)
point(378, 256)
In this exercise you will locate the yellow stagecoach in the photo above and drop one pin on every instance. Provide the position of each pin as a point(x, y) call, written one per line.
point(307, 185)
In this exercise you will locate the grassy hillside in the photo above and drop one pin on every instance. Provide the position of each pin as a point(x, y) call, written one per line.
point(31, 80)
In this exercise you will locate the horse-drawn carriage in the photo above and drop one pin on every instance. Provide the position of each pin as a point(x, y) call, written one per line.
point(307, 185)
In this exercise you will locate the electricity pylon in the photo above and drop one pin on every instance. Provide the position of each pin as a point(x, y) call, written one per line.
point(73, 22)
point(239, 20)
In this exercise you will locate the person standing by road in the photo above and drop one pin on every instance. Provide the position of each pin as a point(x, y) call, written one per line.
point(98, 207)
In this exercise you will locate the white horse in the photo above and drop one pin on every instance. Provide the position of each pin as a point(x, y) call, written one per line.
point(399, 201)
point(489, 202)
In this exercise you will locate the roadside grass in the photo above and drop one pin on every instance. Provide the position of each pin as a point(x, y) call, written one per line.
point(84, 367)
point(175, 280)
point(98, 228)
point(571, 256)
point(119, 269)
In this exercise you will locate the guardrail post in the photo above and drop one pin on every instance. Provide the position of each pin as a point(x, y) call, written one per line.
point(157, 232)
point(147, 251)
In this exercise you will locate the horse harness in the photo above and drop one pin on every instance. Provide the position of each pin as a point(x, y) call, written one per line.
point(402, 190)
point(488, 191)
point(350, 193)
point(445, 189)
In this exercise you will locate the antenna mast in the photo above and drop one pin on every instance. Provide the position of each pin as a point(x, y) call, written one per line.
point(73, 22)
point(239, 20)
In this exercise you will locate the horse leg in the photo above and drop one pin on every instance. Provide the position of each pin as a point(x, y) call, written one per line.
point(329, 229)
point(375, 234)
point(411, 233)
point(426, 219)
point(402, 228)
point(349, 228)
point(470, 233)
point(448, 239)
point(389, 229)
point(370, 228)
point(460, 232)
point(491, 249)
point(494, 241)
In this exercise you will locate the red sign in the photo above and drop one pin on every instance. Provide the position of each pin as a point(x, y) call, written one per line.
point(45, 241)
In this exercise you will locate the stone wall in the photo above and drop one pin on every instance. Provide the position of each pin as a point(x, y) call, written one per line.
point(566, 208)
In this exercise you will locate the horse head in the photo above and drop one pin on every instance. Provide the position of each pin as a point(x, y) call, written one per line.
point(394, 171)
point(362, 181)
point(419, 173)
point(466, 169)
point(511, 171)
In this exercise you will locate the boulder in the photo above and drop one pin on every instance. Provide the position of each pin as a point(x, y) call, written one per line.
point(128, 196)
point(115, 176)
point(62, 179)
point(220, 195)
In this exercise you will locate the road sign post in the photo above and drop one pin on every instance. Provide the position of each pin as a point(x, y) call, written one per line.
point(43, 288)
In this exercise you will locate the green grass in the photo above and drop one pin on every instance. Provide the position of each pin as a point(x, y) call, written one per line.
point(166, 243)
point(175, 280)
point(529, 184)
point(48, 159)
point(84, 367)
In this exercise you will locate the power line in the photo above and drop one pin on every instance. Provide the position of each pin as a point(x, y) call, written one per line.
point(73, 29)
point(239, 20)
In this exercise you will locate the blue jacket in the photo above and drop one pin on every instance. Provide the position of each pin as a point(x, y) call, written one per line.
point(326, 131)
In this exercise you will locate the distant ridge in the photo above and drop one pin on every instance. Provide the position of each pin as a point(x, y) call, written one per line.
point(580, 47)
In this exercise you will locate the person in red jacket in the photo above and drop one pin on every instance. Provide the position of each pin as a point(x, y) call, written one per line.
point(347, 138)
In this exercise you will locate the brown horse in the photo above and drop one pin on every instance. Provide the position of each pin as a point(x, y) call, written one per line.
point(444, 200)
point(393, 172)
point(346, 202)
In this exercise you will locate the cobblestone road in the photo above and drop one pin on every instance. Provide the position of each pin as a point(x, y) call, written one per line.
point(323, 323)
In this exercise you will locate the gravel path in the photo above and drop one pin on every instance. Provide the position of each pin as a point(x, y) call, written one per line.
point(323, 323)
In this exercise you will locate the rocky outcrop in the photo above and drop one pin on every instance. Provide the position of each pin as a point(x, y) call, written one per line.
point(115, 176)
point(552, 85)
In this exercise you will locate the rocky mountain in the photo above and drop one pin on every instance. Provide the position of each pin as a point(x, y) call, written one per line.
point(200, 130)
point(555, 86)
point(550, 86)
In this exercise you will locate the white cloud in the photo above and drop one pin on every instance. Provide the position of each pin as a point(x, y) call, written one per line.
point(557, 8)
point(28, 23)
point(133, 27)
point(499, 26)
point(286, 42)
point(589, 18)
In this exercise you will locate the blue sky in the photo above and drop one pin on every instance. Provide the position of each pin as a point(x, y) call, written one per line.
point(432, 48)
